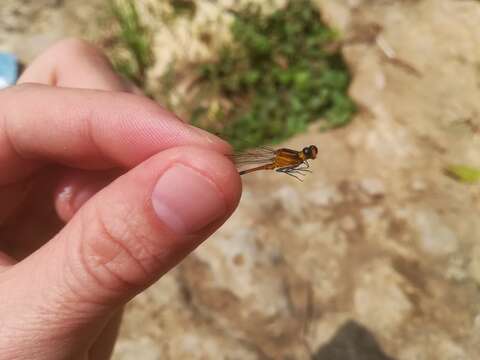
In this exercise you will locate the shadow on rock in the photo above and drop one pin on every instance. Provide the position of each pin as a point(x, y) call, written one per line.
point(352, 342)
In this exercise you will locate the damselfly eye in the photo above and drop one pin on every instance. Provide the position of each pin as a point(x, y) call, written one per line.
point(313, 151)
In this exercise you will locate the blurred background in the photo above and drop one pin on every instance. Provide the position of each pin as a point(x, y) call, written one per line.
point(376, 255)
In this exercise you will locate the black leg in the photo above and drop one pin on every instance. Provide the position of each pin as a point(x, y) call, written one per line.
point(292, 174)
point(301, 170)
point(305, 167)
point(292, 171)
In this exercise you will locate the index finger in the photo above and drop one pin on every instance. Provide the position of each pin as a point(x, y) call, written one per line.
point(86, 129)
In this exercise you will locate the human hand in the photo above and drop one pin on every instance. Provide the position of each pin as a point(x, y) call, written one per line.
point(101, 192)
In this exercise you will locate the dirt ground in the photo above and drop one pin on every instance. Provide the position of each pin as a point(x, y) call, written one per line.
point(376, 255)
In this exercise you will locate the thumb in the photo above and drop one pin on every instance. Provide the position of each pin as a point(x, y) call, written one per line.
point(116, 245)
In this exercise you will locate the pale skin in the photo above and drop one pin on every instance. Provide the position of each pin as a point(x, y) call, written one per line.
point(102, 192)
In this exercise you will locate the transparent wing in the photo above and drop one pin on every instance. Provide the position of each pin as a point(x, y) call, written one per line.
point(258, 156)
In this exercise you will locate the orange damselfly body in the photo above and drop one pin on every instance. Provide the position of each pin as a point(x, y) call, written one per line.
point(287, 161)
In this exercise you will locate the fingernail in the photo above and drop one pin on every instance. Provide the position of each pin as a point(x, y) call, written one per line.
point(186, 201)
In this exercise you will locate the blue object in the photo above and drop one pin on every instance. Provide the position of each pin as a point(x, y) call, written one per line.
point(8, 70)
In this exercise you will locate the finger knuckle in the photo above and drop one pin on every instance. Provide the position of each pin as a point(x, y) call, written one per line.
point(72, 49)
point(114, 250)
point(75, 45)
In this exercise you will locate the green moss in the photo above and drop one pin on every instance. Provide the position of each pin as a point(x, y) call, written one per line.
point(135, 40)
point(183, 7)
point(275, 77)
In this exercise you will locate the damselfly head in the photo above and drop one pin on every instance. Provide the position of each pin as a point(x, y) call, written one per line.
point(310, 152)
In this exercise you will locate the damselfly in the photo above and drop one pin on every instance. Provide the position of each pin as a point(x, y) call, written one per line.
point(287, 161)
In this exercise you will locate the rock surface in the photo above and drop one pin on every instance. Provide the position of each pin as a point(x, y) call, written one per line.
point(376, 255)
